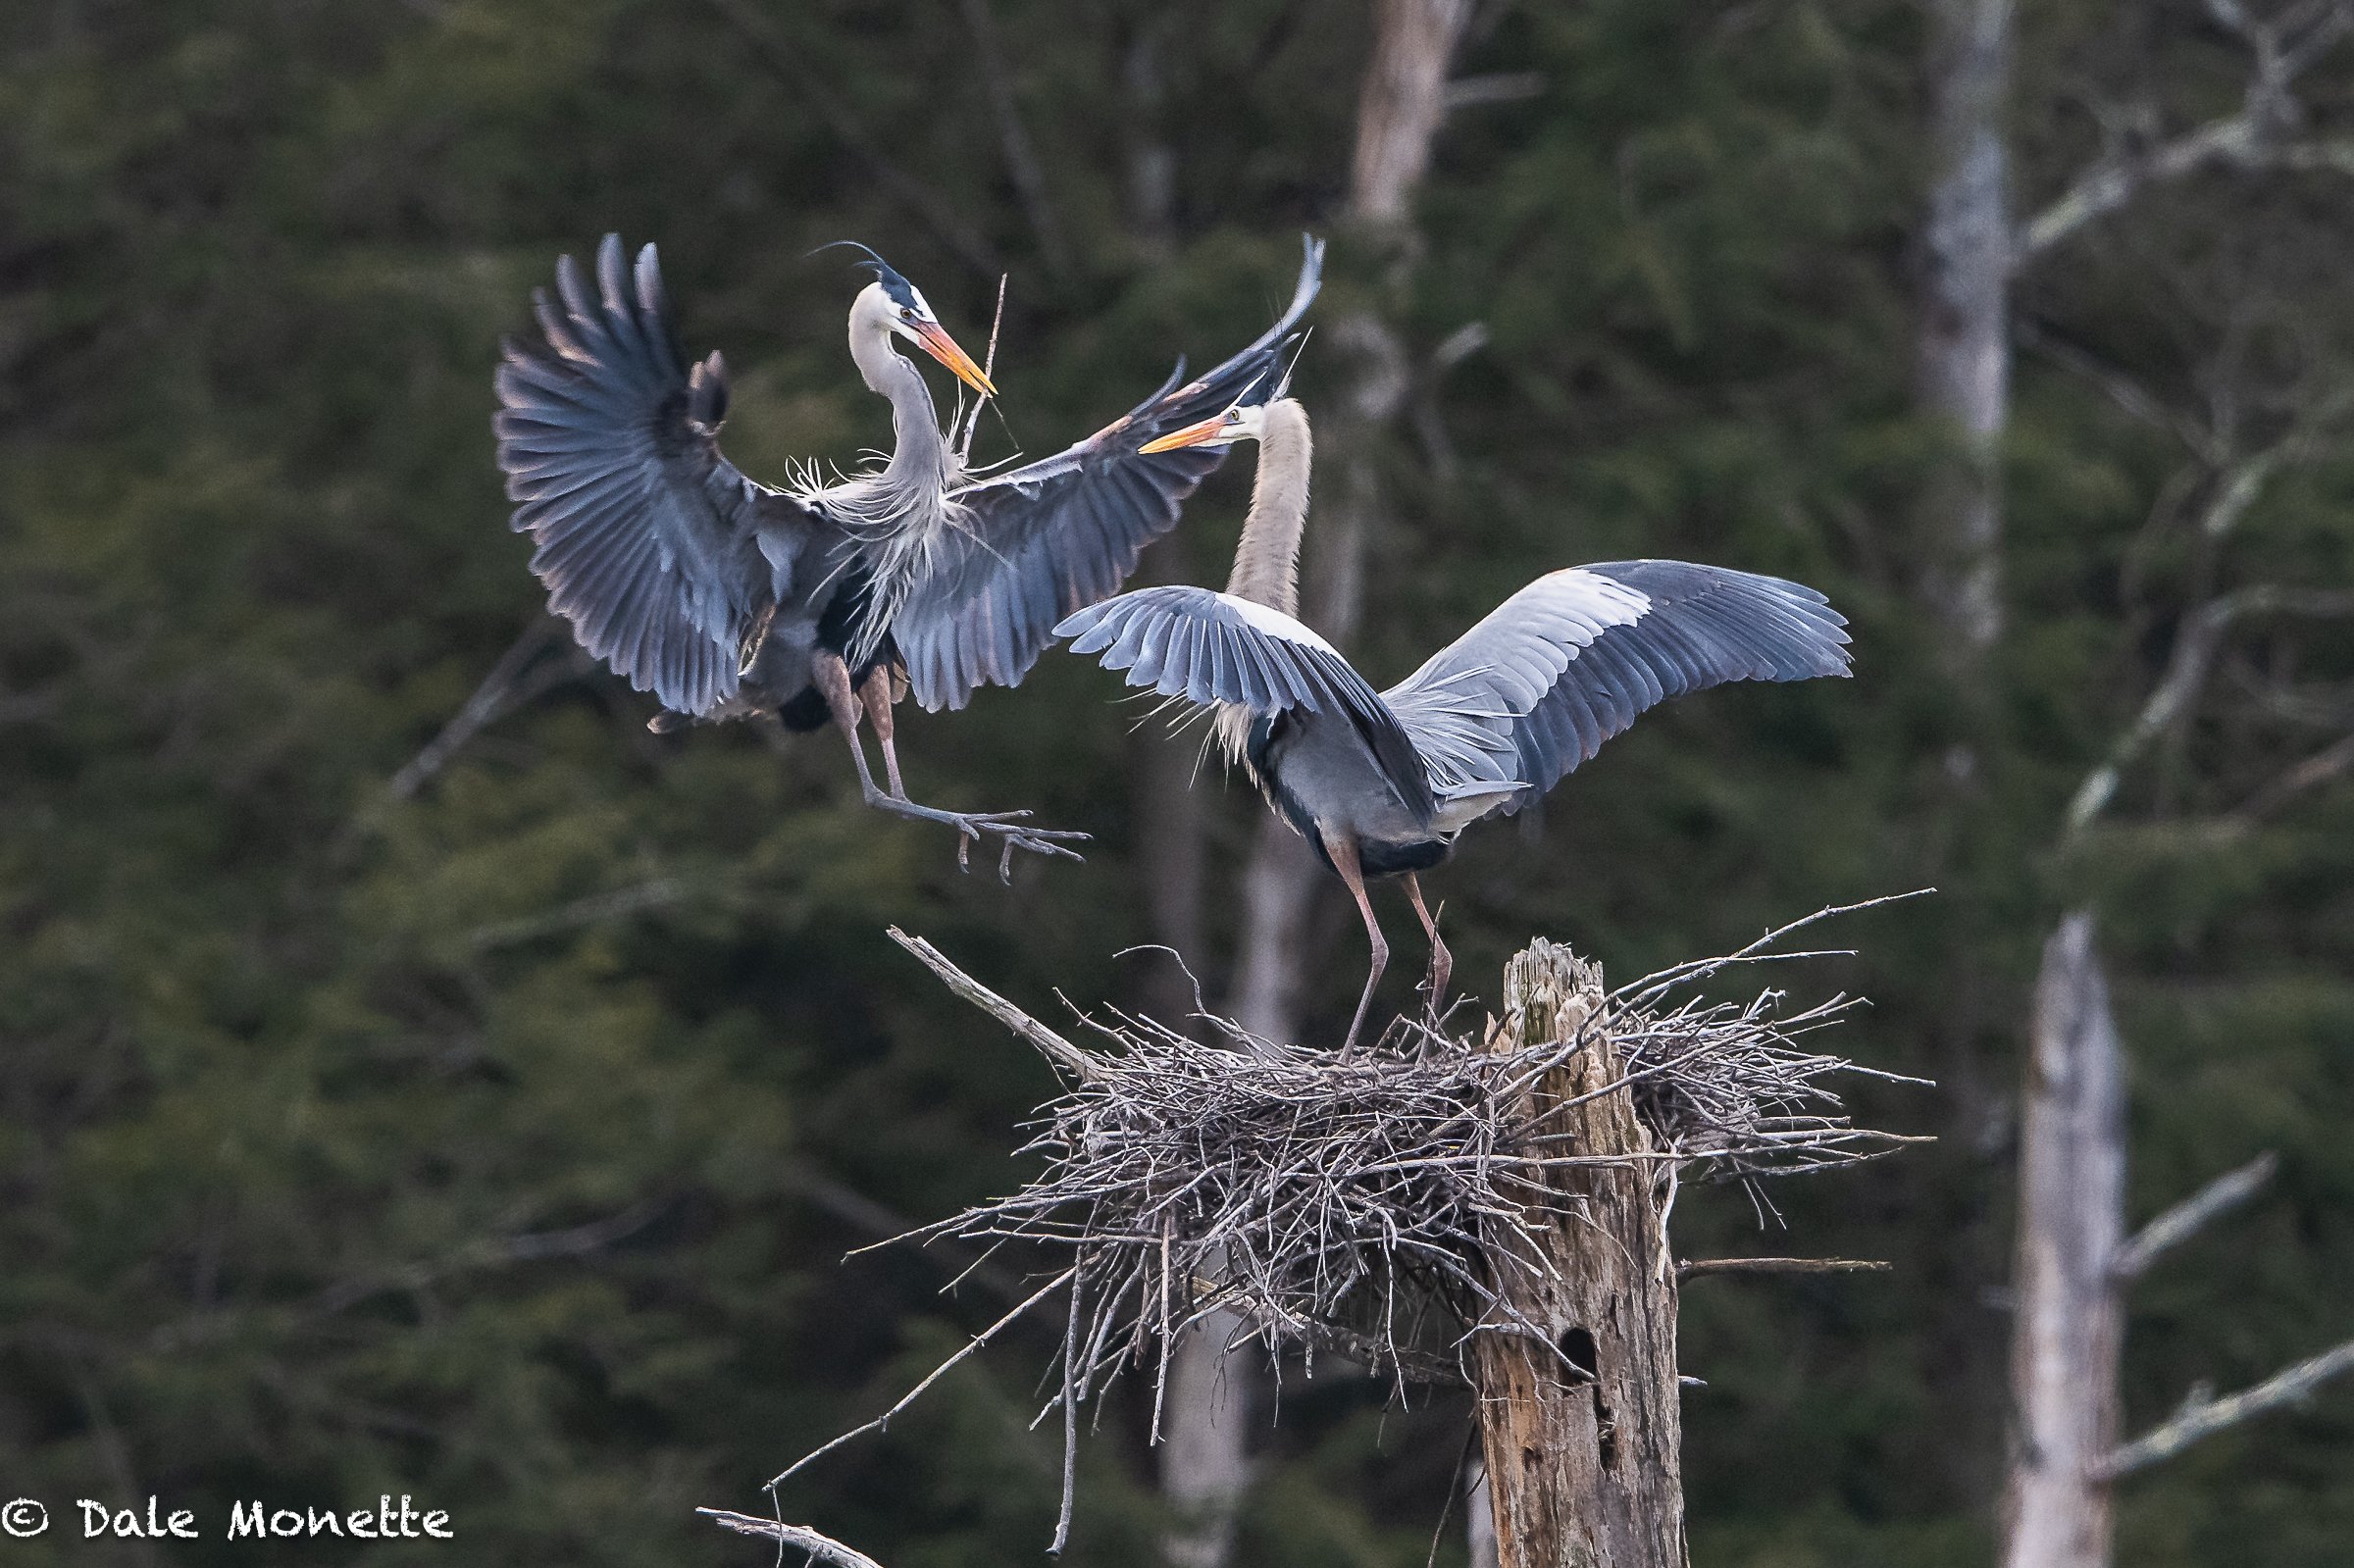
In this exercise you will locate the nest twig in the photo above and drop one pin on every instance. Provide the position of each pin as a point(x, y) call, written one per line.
point(1357, 1205)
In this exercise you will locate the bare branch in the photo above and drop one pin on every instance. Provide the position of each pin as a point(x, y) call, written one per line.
point(779, 55)
point(531, 1246)
point(2254, 137)
point(936, 1372)
point(2202, 1417)
point(1701, 1268)
point(2193, 1214)
point(1502, 87)
point(514, 681)
point(988, 368)
point(2120, 389)
point(2317, 705)
point(800, 1537)
point(658, 893)
point(1053, 1046)
point(1021, 154)
point(2186, 675)
point(2329, 763)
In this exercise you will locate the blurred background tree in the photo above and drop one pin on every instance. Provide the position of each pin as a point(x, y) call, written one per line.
point(495, 1137)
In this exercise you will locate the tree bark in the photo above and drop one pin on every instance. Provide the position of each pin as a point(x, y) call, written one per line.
point(2063, 1351)
point(1576, 1383)
point(1964, 344)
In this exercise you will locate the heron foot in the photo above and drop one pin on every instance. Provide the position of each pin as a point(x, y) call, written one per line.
point(1010, 828)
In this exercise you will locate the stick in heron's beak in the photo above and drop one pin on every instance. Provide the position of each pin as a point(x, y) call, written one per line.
point(942, 348)
point(1191, 436)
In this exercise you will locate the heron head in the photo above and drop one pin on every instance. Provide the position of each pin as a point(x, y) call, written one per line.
point(1245, 422)
point(892, 306)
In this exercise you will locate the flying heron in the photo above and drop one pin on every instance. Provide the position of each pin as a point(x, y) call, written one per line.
point(1380, 784)
point(823, 601)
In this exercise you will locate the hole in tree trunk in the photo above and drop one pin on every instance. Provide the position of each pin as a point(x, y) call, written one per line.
point(1577, 1348)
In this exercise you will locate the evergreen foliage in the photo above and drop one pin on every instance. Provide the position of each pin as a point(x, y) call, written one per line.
point(498, 1144)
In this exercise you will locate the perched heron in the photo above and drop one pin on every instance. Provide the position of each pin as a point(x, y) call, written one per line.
point(1381, 783)
point(825, 600)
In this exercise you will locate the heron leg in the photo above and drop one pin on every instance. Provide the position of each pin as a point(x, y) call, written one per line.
point(876, 698)
point(832, 678)
point(1343, 853)
point(1442, 962)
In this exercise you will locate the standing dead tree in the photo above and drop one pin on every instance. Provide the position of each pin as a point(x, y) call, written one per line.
point(2076, 1264)
point(1581, 1425)
point(1486, 1212)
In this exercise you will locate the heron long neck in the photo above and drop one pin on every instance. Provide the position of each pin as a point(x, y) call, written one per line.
point(1267, 564)
point(919, 455)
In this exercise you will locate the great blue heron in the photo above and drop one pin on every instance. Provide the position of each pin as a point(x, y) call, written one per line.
point(823, 600)
point(1381, 783)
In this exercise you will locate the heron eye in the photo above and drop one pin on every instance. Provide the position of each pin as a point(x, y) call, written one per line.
point(905, 314)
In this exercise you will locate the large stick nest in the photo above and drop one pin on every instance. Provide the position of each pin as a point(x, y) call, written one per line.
point(1356, 1204)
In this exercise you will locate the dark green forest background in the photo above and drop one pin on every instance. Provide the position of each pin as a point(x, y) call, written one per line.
point(498, 1141)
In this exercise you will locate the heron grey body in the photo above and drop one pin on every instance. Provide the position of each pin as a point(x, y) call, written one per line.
point(1382, 782)
point(824, 600)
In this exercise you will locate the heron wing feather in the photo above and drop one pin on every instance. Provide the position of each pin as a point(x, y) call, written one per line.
point(1214, 649)
point(1052, 537)
point(1535, 689)
point(649, 541)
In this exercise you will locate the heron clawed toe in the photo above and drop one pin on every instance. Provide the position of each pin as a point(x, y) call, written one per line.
point(1013, 830)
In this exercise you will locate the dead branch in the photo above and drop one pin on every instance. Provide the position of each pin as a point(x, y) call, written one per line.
point(936, 1372)
point(658, 893)
point(516, 680)
point(2323, 766)
point(800, 1537)
point(2202, 1417)
point(2317, 705)
point(2195, 649)
point(2120, 389)
point(779, 55)
point(2259, 135)
point(1061, 1052)
point(1021, 154)
point(1701, 1268)
point(481, 1257)
point(2192, 1215)
point(1500, 86)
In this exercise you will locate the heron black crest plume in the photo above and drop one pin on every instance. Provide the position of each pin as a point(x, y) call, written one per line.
point(894, 283)
point(826, 601)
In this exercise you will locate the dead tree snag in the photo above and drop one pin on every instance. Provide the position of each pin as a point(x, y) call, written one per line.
point(1575, 1367)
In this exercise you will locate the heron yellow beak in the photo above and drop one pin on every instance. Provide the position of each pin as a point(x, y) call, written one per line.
point(942, 348)
point(1208, 430)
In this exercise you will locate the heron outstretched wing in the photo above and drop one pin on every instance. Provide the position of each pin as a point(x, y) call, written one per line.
point(1209, 648)
point(1055, 536)
point(655, 547)
point(1567, 662)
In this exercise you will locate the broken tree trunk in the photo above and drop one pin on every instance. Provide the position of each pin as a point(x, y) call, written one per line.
point(1576, 1377)
point(2070, 1230)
